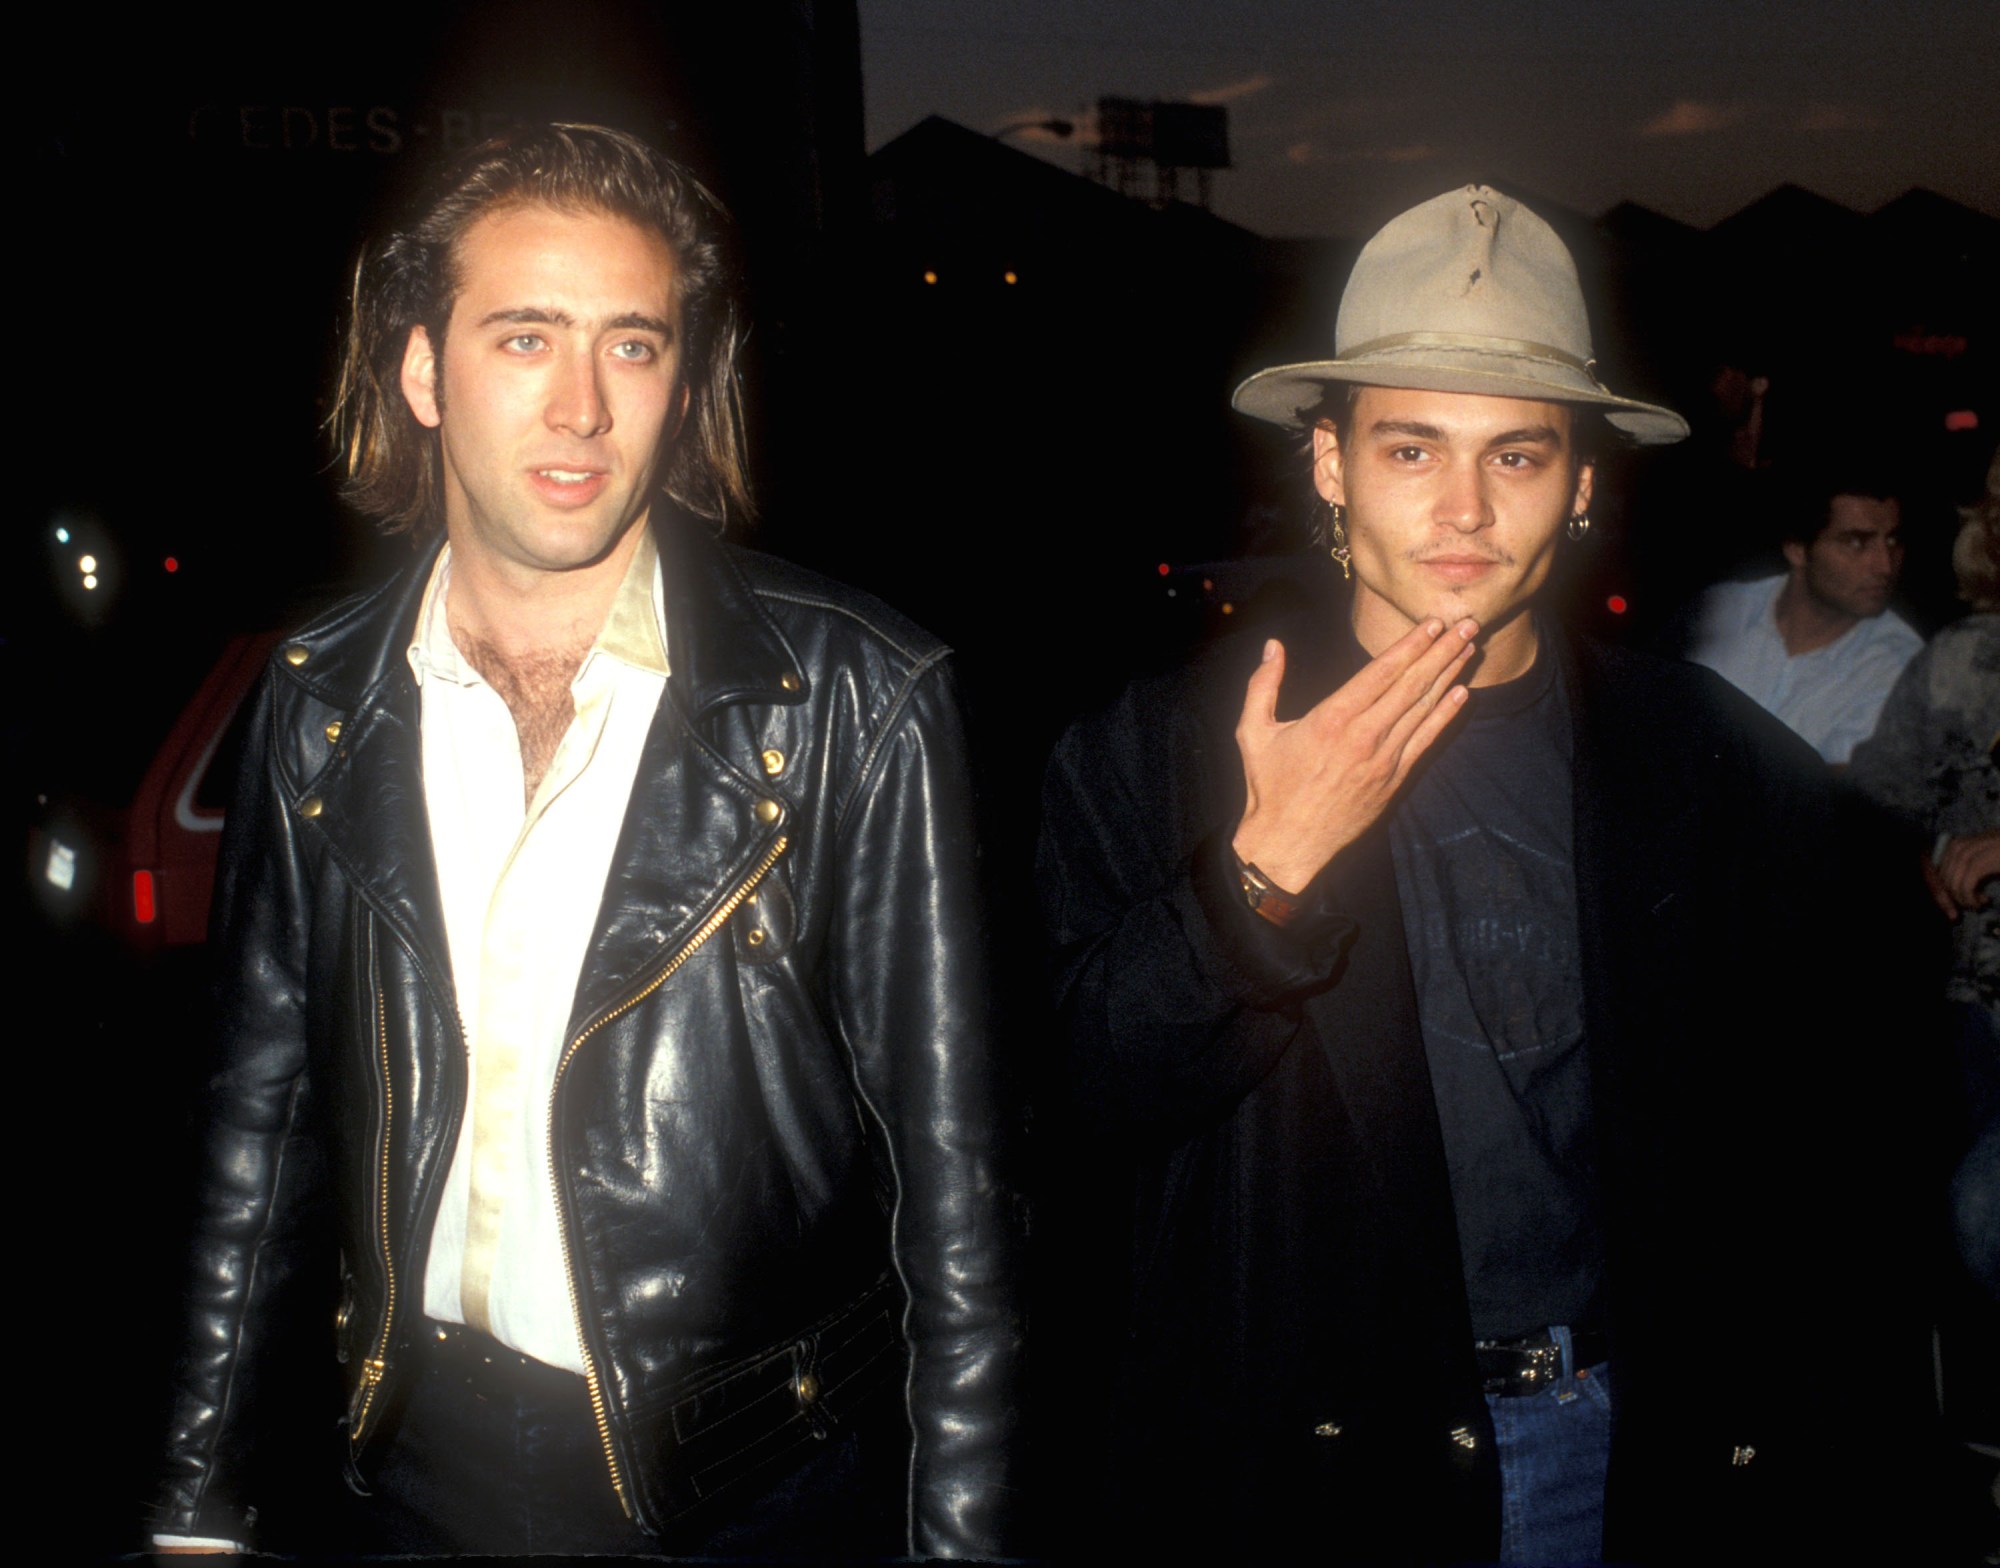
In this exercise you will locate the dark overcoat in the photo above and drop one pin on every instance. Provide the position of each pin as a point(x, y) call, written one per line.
point(1296, 1368)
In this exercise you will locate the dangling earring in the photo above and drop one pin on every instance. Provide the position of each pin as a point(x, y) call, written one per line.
point(1579, 525)
point(1335, 539)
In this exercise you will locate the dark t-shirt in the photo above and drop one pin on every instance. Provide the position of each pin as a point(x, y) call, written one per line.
point(1487, 878)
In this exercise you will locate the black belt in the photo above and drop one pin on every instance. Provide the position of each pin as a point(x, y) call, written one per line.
point(733, 1423)
point(1513, 1367)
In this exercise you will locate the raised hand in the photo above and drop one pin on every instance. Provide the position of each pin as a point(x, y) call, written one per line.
point(1317, 783)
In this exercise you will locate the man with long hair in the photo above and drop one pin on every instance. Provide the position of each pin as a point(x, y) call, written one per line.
point(603, 1005)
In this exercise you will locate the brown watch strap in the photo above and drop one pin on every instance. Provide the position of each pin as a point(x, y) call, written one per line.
point(1264, 896)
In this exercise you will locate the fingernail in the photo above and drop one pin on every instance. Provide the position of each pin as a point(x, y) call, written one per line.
point(1433, 628)
point(1468, 629)
point(1270, 649)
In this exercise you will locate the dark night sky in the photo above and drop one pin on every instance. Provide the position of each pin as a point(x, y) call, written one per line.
point(1342, 114)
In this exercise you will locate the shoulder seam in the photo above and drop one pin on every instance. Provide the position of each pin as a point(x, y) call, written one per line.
point(892, 718)
point(851, 613)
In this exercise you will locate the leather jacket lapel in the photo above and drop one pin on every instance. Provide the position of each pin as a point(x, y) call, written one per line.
point(370, 788)
point(699, 824)
point(693, 836)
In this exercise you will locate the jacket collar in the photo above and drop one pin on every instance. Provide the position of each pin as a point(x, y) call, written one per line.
point(693, 830)
point(722, 644)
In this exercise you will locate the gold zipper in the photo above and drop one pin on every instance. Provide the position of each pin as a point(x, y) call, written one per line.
point(377, 1365)
point(592, 1382)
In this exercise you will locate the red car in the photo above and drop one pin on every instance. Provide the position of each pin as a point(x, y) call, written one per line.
point(143, 871)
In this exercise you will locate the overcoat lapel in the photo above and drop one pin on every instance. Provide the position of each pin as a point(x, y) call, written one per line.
point(1367, 1024)
point(1635, 833)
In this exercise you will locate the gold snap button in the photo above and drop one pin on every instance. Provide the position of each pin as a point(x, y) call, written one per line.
point(789, 681)
point(311, 807)
point(774, 762)
point(767, 811)
point(333, 730)
point(808, 1388)
point(297, 654)
point(754, 936)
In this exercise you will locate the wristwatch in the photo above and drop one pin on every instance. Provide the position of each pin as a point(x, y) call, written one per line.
point(1264, 896)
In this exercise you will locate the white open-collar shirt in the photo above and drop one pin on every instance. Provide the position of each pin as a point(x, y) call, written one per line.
point(521, 888)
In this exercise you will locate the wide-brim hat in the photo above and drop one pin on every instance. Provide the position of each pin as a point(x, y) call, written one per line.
point(1470, 292)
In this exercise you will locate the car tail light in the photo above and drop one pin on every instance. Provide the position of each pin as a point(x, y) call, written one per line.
point(144, 907)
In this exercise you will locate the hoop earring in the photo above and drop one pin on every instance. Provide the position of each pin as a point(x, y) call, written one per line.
point(1579, 525)
point(1333, 538)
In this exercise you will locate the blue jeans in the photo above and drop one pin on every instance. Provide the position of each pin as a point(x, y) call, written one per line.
point(1554, 1446)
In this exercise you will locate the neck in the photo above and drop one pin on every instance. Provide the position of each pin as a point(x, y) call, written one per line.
point(1803, 622)
point(526, 613)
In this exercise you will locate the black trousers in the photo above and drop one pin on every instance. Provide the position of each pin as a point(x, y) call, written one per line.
point(511, 1464)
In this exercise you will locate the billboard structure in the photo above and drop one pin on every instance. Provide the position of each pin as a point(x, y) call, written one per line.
point(1171, 140)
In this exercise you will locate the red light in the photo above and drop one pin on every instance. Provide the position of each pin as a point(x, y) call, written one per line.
point(1165, 569)
point(172, 563)
point(1962, 419)
point(1615, 604)
point(144, 908)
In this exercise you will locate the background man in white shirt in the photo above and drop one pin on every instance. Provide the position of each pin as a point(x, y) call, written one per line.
point(1818, 646)
point(600, 943)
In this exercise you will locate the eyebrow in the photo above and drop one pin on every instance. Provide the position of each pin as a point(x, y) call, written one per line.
point(1535, 435)
point(546, 316)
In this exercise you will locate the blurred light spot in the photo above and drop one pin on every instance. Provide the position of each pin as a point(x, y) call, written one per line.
point(1208, 585)
point(1011, 277)
point(144, 907)
point(172, 563)
point(61, 869)
point(62, 536)
point(929, 276)
point(1228, 608)
point(1616, 604)
point(1164, 568)
point(1962, 419)
point(1173, 593)
point(86, 563)
point(90, 579)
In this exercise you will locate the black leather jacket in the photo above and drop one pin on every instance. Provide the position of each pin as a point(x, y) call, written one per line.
point(773, 1129)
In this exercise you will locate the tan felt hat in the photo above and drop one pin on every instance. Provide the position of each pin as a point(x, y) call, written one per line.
point(1470, 292)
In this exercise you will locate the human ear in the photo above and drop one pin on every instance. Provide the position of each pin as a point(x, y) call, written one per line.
point(1328, 478)
point(1586, 476)
point(419, 378)
point(1795, 555)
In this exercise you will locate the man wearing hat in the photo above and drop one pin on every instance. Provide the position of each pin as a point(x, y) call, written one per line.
point(1424, 957)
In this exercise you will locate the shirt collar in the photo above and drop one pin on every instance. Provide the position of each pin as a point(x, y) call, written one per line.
point(634, 630)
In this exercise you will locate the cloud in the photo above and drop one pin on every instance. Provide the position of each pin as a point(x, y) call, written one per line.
point(1028, 125)
point(1229, 92)
point(1690, 118)
point(1836, 117)
point(1302, 152)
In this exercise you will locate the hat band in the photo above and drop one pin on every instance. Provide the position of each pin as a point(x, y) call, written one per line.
point(1512, 348)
